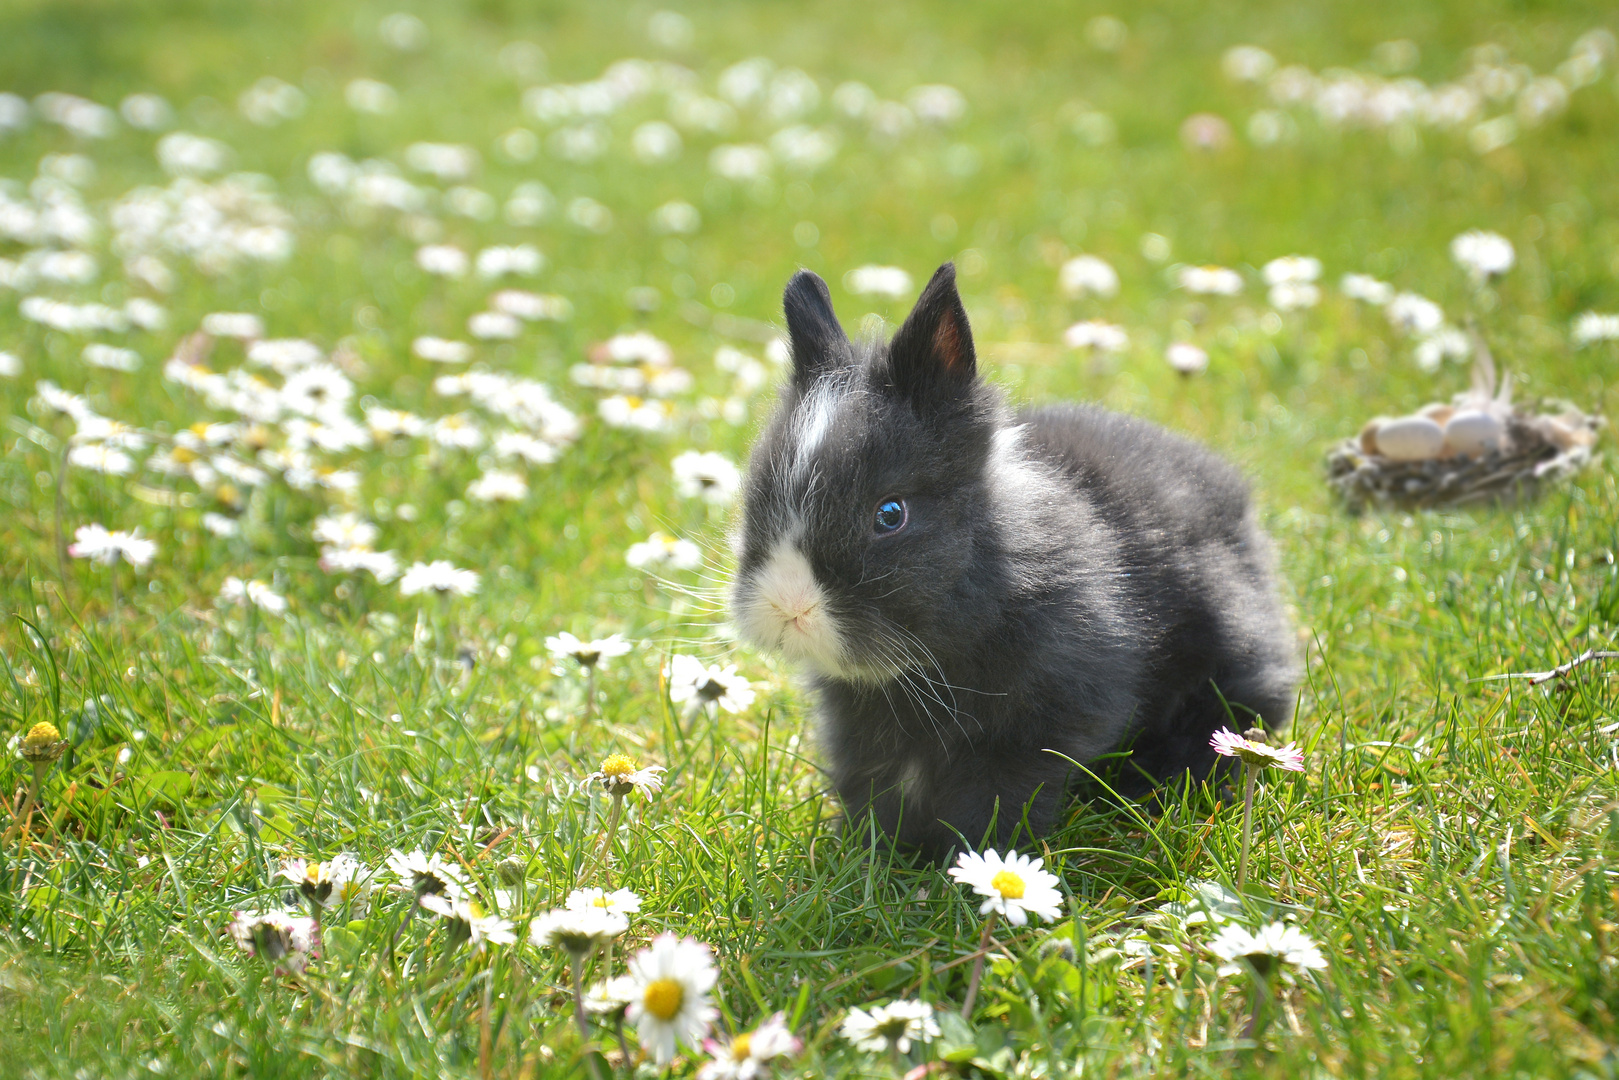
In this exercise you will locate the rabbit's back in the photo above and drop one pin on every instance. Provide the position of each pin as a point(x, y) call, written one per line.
point(1201, 574)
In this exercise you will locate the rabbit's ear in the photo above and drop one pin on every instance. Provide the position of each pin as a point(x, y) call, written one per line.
point(932, 354)
point(819, 343)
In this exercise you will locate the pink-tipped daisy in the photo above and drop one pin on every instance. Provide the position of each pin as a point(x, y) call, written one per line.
point(1253, 752)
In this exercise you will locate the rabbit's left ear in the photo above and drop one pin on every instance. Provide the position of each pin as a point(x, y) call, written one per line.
point(932, 354)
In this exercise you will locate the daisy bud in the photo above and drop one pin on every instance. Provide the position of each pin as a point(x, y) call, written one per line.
point(43, 745)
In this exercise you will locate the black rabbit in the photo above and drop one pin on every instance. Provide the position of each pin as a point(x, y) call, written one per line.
point(984, 596)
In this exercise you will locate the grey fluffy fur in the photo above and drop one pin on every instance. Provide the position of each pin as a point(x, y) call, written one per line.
point(1070, 583)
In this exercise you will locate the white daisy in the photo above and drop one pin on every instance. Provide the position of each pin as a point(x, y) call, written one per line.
point(235, 591)
point(326, 883)
point(888, 281)
point(619, 776)
point(890, 1027)
point(441, 350)
point(749, 1055)
point(587, 653)
point(1186, 358)
point(1294, 295)
point(1292, 270)
point(1594, 326)
point(577, 931)
point(692, 680)
point(99, 457)
point(1367, 289)
point(468, 922)
point(525, 447)
point(440, 576)
point(1253, 750)
point(317, 390)
point(660, 550)
point(710, 475)
point(279, 937)
point(443, 260)
point(425, 874)
point(344, 530)
point(1086, 274)
point(1210, 280)
point(611, 997)
point(498, 485)
point(381, 565)
point(622, 901)
point(673, 978)
point(1098, 335)
point(1277, 947)
point(1483, 255)
point(102, 545)
point(1414, 314)
point(1015, 886)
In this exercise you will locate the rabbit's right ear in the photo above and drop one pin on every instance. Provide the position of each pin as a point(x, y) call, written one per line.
point(819, 343)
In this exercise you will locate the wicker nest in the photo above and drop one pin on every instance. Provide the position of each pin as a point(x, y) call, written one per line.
point(1527, 450)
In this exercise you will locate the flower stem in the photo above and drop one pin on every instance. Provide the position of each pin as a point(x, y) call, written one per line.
point(623, 1047)
point(1259, 1012)
point(578, 964)
point(604, 850)
point(978, 966)
point(1247, 822)
point(590, 691)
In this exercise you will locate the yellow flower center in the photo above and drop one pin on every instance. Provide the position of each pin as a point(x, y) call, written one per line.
point(603, 901)
point(663, 997)
point(618, 766)
point(741, 1047)
point(42, 733)
point(1008, 884)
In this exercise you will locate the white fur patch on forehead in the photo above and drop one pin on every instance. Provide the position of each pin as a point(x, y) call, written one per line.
point(782, 607)
point(813, 419)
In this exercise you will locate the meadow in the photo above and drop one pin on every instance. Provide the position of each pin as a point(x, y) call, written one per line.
point(374, 383)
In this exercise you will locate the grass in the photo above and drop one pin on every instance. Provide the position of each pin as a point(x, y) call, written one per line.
point(1451, 846)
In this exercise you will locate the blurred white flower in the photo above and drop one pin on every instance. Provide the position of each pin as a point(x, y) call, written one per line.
point(98, 544)
point(692, 680)
point(1210, 280)
point(655, 142)
point(498, 485)
point(494, 326)
point(532, 306)
point(659, 551)
point(277, 937)
point(1445, 343)
point(937, 104)
point(637, 413)
point(710, 475)
point(1098, 335)
point(184, 154)
point(443, 260)
point(344, 530)
point(676, 217)
point(99, 457)
point(1186, 358)
point(1413, 314)
point(1483, 255)
point(370, 96)
point(577, 930)
point(1086, 274)
point(1294, 295)
point(740, 163)
point(524, 259)
point(111, 357)
point(622, 901)
point(10, 366)
point(1292, 270)
point(589, 215)
point(673, 978)
point(1275, 948)
point(524, 447)
point(284, 355)
point(1367, 289)
point(1592, 327)
point(890, 1028)
point(441, 350)
point(441, 577)
point(887, 281)
point(233, 324)
point(468, 922)
point(236, 592)
point(443, 161)
point(148, 112)
point(270, 101)
point(1247, 63)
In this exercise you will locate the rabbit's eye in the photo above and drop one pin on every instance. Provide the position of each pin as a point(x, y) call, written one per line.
point(891, 517)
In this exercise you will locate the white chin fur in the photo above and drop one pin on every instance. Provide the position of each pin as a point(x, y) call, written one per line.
point(782, 607)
